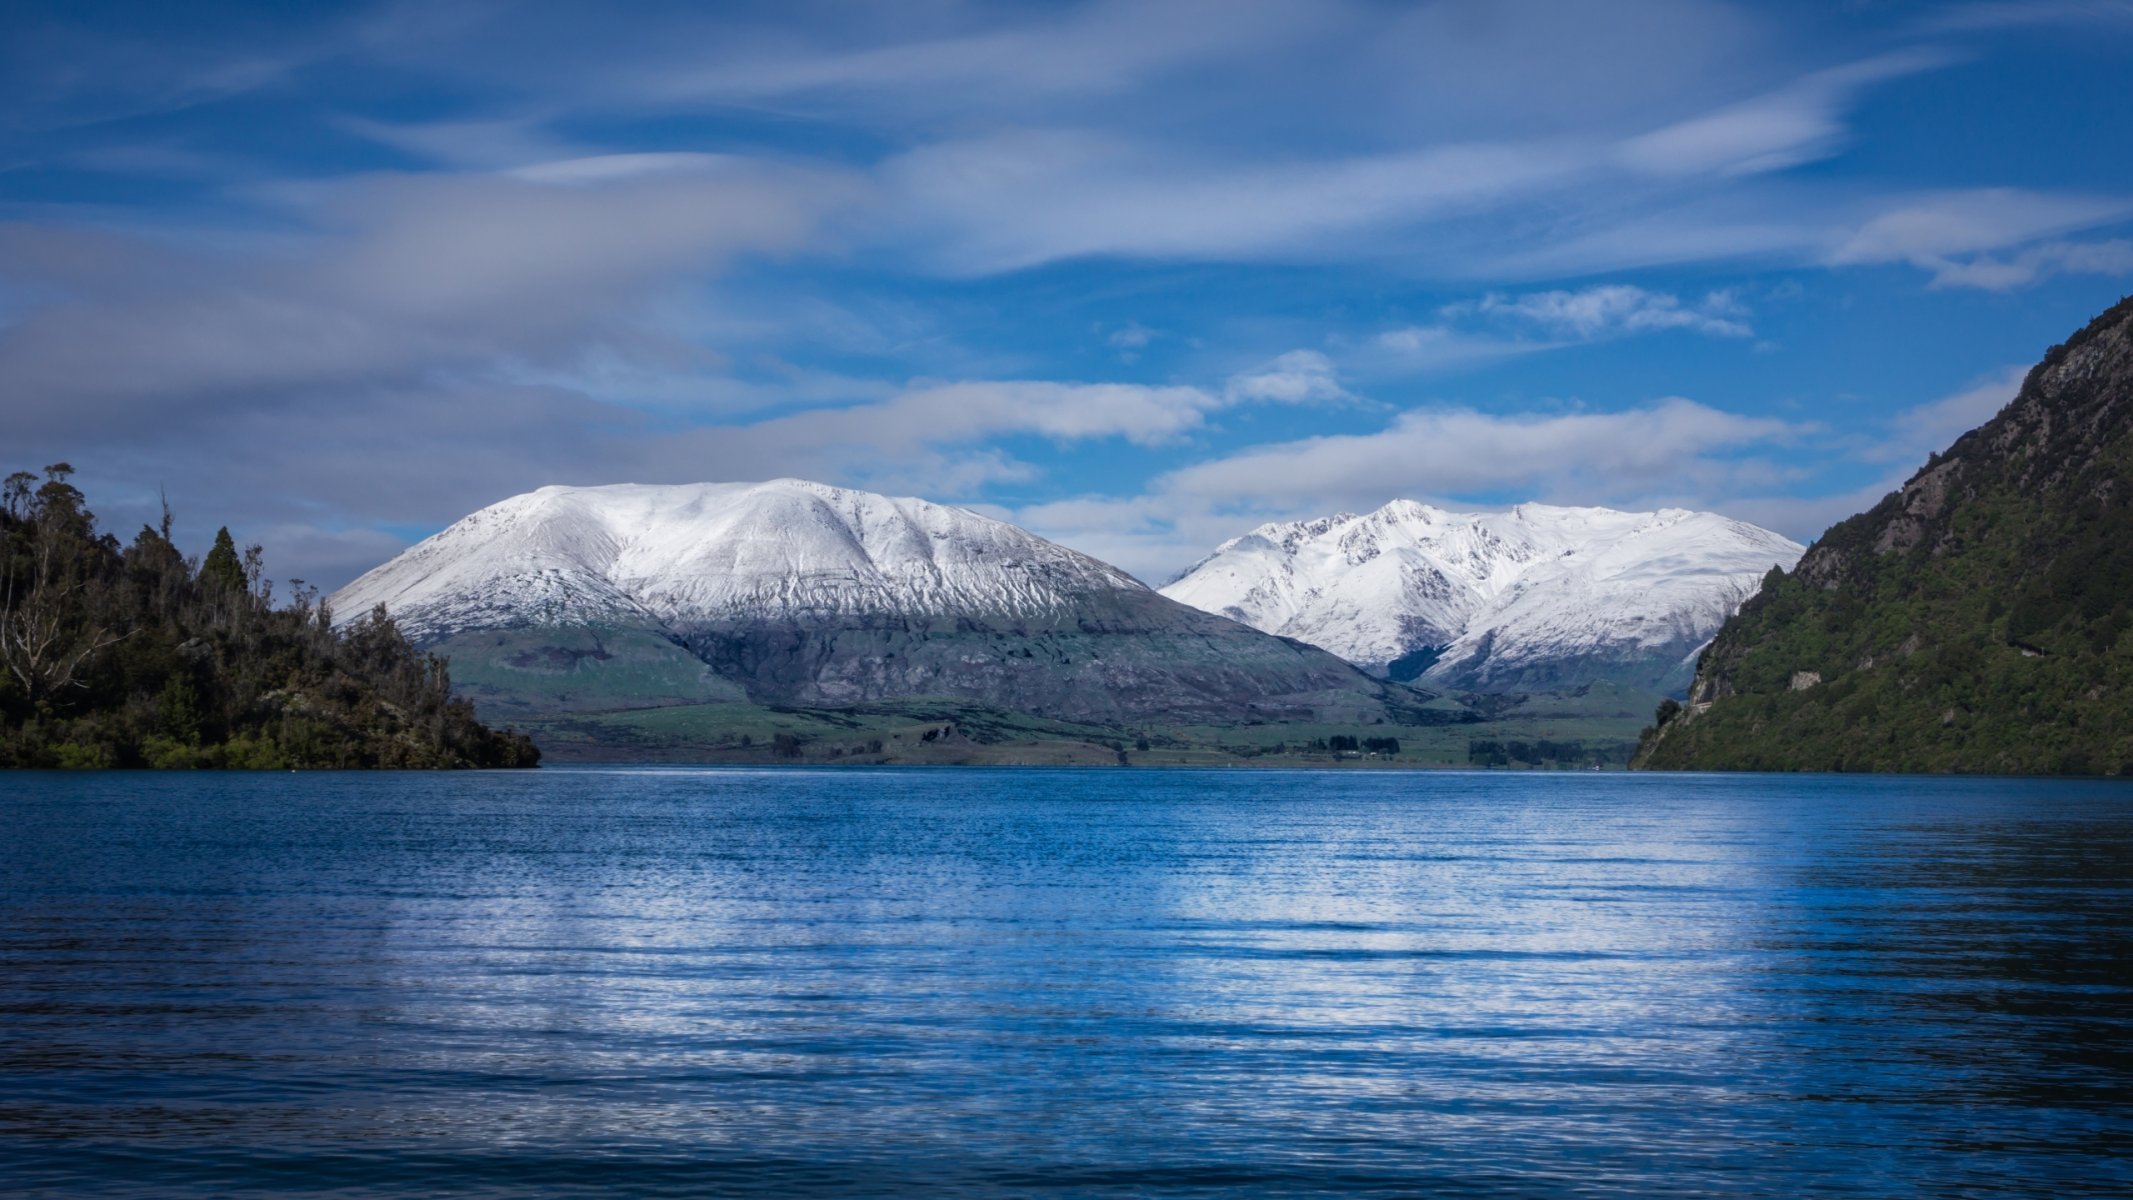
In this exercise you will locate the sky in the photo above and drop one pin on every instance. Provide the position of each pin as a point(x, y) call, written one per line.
point(1138, 276)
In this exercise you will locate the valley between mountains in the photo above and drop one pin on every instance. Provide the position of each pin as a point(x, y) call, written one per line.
point(791, 620)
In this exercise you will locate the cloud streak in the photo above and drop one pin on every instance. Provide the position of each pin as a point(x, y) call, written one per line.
point(1462, 451)
point(1615, 309)
point(1443, 454)
point(394, 279)
point(1953, 234)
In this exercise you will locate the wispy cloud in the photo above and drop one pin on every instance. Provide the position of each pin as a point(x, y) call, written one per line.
point(1501, 325)
point(1797, 123)
point(2037, 263)
point(1917, 431)
point(1419, 349)
point(1614, 309)
point(396, 278)
point(1013, 200)
point(1462, 451)
point(1298, 377)
point(1953, 235)
point(2018, 14)
point(1445, 454)
point(480, 144)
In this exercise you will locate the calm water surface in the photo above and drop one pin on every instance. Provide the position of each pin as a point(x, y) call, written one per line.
point(1096, 983)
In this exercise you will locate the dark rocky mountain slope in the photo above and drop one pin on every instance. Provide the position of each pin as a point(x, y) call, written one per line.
point(1975, 620)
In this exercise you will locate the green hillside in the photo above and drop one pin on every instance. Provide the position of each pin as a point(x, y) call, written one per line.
point(1973, 621)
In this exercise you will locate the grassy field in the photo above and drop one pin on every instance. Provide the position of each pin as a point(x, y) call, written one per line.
point(1596, 726)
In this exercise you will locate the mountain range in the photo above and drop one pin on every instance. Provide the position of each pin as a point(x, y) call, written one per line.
point(801, 594)
point(1538, 598)
point(797, 594)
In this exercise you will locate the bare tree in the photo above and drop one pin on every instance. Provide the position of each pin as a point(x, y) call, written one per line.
point(43, 647)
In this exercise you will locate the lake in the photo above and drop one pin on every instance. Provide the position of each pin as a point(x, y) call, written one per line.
point(898, 982)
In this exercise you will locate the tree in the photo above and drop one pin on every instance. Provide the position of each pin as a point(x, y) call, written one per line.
point(134, 656)
point(222, 568)
point(49, 614)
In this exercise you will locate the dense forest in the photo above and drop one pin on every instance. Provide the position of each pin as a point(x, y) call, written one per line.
point(1976, 620)
point(138, 656)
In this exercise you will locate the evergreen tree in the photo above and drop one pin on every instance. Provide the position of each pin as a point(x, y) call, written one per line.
point(222, 568)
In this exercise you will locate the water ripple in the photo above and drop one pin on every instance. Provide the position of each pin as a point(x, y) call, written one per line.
point(1063, 984)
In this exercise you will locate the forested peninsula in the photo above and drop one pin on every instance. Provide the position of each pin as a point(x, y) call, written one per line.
point(135, 655)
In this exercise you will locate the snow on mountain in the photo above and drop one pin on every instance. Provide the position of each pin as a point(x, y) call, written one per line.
point(1531, 598)
point(794, 593)
point(633, 553)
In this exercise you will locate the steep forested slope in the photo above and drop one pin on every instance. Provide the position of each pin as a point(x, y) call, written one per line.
point(135, 656)
point(1976, 620)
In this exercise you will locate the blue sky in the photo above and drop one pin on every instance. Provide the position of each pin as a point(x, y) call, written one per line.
point(1136, 275)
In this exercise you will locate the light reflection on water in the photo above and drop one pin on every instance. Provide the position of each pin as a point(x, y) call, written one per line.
point(1065, 983)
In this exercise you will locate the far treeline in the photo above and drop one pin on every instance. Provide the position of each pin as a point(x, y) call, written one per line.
point(138, 656)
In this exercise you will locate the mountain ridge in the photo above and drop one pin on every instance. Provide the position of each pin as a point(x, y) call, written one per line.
point(1536, 597)
point(793, 592)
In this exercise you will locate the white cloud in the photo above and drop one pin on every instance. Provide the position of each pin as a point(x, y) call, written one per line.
point(1012, 198)
point(1152, 536)
point(1006, 201)
point(969, 411)
point(1298, 377)
point(1461, 451)
point(2036, 264)
point(1917, 431)
point(1612, 309)
point(1169, 66)
point(1665, 229)
point(1423, 348)
point(2002, 15)
point(901, 67)
point(1132, 337)
point(1949, 233)
point(1446, 454)
point(1798, 123)
point(481, 145)
point(1532, 322)
point(399, 278)
point(1805, 518)
point(610, 168)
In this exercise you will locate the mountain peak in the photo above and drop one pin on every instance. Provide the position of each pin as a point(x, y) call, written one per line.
point(590, 554)
point(1516, 598)
point(795, 592)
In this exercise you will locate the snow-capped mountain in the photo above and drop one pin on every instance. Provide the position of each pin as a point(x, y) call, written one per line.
point(792, 592)
point(1534, 598)
point(720, 551)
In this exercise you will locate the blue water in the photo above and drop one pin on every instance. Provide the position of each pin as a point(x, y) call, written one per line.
point(1038, 983)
